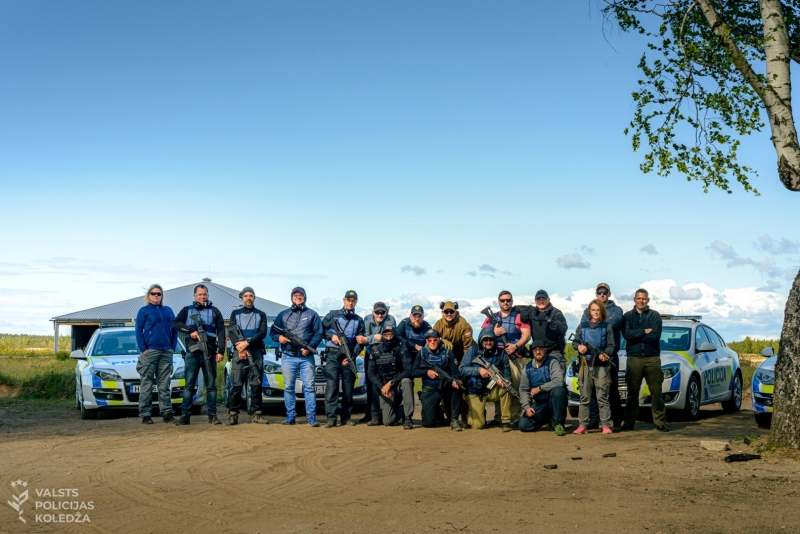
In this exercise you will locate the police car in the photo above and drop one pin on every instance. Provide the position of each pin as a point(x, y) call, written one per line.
point(106, 376)
point(272, 382)
point(762, 388)
point(698, 368)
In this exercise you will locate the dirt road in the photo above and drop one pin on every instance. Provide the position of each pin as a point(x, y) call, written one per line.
point(274, 479)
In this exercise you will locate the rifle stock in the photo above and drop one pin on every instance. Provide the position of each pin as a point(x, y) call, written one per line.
point(236, 335)
point(293, 339)
point(345, 346)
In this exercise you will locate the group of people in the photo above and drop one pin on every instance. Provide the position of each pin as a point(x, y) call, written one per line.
point(518, 363)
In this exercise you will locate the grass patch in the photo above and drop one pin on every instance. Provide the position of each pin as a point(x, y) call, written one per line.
point(24, 344)
point(37, 377)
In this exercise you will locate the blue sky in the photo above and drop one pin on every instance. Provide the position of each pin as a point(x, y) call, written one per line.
point(477, 145)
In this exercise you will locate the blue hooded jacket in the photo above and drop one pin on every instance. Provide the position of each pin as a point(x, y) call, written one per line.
point(154, 328)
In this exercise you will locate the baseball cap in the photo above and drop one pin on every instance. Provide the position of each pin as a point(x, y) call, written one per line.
point(351, 295)
point(380, 306)
point(538, 343)
point(448, 305)
point(542, 294)
point(432, 332)
point(604, 285)
point(417, 309)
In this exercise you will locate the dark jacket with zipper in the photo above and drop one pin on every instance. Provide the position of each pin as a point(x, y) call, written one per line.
point(633, 326)
point(549, 326)
point(184, 324)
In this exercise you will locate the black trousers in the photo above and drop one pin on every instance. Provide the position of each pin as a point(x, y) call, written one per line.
point(254, 375)
point(373, 409)
point(431, 396)
point(334, 373)
point(617, 408)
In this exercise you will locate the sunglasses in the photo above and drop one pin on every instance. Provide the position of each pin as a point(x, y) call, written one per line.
point(449, 312)
point(505, 300)
point(379, 312)
point(602, 292)
point(154, 294)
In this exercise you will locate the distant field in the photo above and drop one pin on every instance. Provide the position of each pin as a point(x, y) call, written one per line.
point(19, 344)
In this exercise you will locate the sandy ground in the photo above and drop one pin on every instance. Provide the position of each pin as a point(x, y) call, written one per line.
point(270, 479)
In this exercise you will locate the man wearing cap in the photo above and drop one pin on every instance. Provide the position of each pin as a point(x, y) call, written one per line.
point(518, 333)
point(455, 331)
point(411, 331)
point(542, 392)
point(374, 324)
point(478, 381)
point(435, 387)
point(614, 320)
point(337, 367)
point(253, 323)
point(213, 324)
point(548, 325)
point(304, 323)
point(390, 373)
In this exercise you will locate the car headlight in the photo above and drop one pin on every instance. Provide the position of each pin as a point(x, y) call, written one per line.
point(765, 378)
point(272, 369)
point(671, 370)
point(179, 375)
point(359, 366)
point(106, 374)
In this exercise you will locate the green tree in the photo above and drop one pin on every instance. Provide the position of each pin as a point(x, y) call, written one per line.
point(711, 69)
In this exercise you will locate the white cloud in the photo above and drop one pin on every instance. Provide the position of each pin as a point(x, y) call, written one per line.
point(766, 244)
point(767, 267)
point(572, 261)
point(586, 249)
point(413, 269)
point(649, 249)
point(679, 293)
point(488, 271)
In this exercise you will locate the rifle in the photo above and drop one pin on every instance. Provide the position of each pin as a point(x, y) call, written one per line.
point(442, 373)
point(593, 350)
point(293, 339)
point(497, 376)
point(495, 322)
point(345, 346)
point(200, 345)
point(236, 335)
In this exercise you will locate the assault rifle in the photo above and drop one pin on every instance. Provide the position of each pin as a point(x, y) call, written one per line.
point(345, 346)
point(293, 339)
point(442, 373)
point(497, 376)
point(236, 335)
point(594, 350)
point(201, 345)
point(495, 322)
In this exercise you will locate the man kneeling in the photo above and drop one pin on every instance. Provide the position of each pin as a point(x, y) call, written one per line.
point(542, 393)
point(390, 370)
point(480, 389)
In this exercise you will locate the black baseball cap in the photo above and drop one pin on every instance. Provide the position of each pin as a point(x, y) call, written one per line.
point(380, 306)
point(538, 343)
point(351, 295)
point(432, 332)
point(417, 309)
point(542, 294)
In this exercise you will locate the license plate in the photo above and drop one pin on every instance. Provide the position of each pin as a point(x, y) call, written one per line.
point(135, 389)
point(320, 390)
point(623, 395)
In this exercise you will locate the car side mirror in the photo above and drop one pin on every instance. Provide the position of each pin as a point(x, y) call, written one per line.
point(77, 355)
point(706, 347)
point(768, 352)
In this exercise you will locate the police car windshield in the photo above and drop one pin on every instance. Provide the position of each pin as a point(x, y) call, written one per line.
point(115, 343)
point(672, 338)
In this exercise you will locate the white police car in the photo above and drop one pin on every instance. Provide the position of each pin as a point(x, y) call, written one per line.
point(698, 367)
point(762, 388)
point(273, 386)
point(106, 376)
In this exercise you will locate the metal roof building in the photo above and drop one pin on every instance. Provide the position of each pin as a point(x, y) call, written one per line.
point(85, 322)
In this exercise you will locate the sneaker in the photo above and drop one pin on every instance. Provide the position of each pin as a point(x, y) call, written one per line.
point(330, 423)
point(507, 427)
point(581, 430)
point(147, 420)
point(455, 427)
point(212, 420)
point(373, 422)
point(233, 418)
point(350, 422)
point(408, 425)
point(662, 428)
point(491, 424)
point(365, 419)
point(559, 430)
point(515, 426)
point(625, 428)
point(288, 421)
point(184, 420)
point(169, 418)
point(258, 419)
point(607, 430)
point(313, 422)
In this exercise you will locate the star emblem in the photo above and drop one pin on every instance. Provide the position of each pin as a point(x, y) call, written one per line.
point(19, 482)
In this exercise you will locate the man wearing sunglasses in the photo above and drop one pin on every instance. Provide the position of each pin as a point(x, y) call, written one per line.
point(614, 321)
point(411, 331)
point(518, 333)
point(374, 325)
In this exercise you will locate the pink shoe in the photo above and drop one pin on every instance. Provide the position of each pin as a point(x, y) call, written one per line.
point(581, 430)
point(607, 430)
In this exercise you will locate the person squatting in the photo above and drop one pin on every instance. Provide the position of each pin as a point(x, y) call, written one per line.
point(518, 363)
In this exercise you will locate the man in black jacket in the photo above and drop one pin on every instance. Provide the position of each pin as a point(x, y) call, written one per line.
point(253, 323)
point(641, 327)
point(390, 371)
point(214, 326)
point(548, 325)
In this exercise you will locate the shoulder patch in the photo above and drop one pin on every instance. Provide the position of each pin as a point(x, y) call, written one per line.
point(467, 334)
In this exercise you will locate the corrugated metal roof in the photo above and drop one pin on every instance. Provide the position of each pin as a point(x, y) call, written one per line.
point(224, 298)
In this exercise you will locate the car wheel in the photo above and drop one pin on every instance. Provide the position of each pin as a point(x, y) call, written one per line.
point(86, 414)
point(691, 411)
point(734, 404)
point(764, 420)
point(573, 411)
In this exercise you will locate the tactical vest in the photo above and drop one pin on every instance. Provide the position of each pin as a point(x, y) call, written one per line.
point(206, 317)
point(250, 323)
point(349, 327)
point(387, 365)
point(416, 336)
point(596, 336)
point(510, 324)
point(439, 358)
point(538, 376)
point(476, 385)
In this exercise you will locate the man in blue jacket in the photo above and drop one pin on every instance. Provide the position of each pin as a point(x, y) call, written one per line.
point(156, 340)
point(304, 323)
point(337, 368)
point(253, 323)
point(411, 331)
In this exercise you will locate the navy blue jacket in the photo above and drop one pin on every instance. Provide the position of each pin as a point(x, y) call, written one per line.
point(212, 320)
point(411, 336)
point(253, 323)
point(352, 326)
point(154, 328)
point(305, 324)
point(633, 327)
point(476, 384)
point(443, 357)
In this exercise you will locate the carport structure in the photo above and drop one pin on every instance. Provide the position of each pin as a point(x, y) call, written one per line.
point(123, 313)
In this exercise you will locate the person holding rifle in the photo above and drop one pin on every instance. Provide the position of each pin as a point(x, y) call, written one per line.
point(305, 324)
point(594, 341)
point(480, 389)
point(374, 325)
point(438, 369)
point(247, 361)
point(348, 337)
point(203, 314)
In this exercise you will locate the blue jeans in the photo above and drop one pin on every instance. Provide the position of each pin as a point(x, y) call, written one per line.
point(554, 407)
point(194, 363)
point(291, 366)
